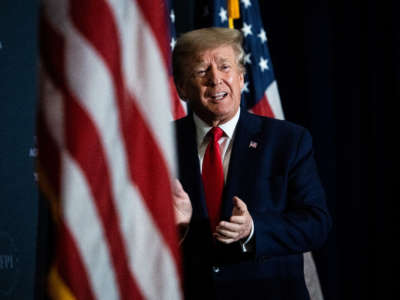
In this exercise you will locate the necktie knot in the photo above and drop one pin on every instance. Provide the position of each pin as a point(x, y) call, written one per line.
point(216, 133)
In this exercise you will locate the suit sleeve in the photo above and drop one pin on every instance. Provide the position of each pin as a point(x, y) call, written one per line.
point(305, 222)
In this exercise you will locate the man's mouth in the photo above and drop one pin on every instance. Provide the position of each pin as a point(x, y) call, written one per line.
point(219, 96)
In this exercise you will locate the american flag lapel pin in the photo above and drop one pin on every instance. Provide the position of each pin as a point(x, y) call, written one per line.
point(253, 144)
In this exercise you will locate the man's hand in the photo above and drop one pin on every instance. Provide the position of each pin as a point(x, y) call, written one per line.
point(182, 205)
point(239, 225)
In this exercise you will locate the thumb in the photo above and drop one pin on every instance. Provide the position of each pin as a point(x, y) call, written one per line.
point(239, 207)
point(177, 187)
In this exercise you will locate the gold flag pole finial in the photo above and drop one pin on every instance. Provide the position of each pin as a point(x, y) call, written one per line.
point(233, 11)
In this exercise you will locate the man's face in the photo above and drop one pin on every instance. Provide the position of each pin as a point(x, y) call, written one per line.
point(213, 84)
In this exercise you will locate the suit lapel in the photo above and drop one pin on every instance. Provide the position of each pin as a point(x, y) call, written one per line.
point(245, 144)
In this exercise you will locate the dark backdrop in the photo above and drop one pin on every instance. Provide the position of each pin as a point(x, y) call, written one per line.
point(336, 64)
point(18, 192)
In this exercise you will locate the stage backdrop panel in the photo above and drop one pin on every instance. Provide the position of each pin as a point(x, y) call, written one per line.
point(18, 190)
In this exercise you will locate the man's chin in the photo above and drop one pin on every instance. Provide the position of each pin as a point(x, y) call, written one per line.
point(223, 116)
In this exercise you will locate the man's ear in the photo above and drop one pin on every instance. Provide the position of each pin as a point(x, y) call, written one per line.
point(241, 81)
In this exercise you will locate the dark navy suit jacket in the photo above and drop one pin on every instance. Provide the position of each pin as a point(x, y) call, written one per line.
point(273, 171)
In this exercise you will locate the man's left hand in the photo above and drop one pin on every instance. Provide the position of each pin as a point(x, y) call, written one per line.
point(239, 225)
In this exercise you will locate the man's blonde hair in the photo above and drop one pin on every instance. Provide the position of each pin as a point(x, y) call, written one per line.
point(196, 41)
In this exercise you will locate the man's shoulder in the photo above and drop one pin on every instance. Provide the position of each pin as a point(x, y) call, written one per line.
point(271, 124)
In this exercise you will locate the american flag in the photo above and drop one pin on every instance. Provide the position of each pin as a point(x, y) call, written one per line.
point(260, 93)
point(106, 153)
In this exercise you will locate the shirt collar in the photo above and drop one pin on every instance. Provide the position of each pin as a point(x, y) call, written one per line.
point(202, 128)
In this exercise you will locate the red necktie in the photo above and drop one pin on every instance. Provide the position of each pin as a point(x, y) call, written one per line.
point(213, 177)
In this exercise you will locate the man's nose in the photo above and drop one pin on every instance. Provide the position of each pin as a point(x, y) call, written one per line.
point(214, 77)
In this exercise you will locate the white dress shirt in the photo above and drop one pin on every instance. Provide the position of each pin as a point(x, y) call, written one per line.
point(225, 146)
point(225, 142)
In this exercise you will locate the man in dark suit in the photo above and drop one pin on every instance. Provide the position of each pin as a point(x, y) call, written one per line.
point(247, 241)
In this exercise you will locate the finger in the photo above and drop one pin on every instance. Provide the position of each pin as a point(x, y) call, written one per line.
point(227, 233)
point(239, 220)
point(223, 239)
point(228, 226)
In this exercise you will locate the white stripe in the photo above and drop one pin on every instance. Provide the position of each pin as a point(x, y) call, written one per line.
point(79, 213)
point(89, 80)
point(274, 100)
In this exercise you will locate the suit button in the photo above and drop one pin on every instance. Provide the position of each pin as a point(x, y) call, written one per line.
point(215, 269)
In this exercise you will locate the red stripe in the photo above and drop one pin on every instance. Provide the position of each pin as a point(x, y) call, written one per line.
point(70, 266)
point(84, 145)
point(262, 108)
point(134, 129)
point(178, 111)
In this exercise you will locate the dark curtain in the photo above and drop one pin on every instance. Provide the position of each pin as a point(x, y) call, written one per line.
point(337, 65)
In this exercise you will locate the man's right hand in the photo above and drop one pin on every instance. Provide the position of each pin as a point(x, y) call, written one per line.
point(182, 205)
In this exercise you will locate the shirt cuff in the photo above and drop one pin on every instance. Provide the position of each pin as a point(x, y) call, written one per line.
point(244, 244)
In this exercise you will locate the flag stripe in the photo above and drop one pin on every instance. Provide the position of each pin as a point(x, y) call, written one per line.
point(93, 163)
point(154, 12)
point(274, 100)
point(70, 265)
point(262, 107)
point(87, 231)
point(139, 168)
point(178, 106)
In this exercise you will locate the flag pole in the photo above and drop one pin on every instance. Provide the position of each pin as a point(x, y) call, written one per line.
point(233, 12)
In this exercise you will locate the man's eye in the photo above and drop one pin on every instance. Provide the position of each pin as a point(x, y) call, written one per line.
point(225, 67)
point(200, 73)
